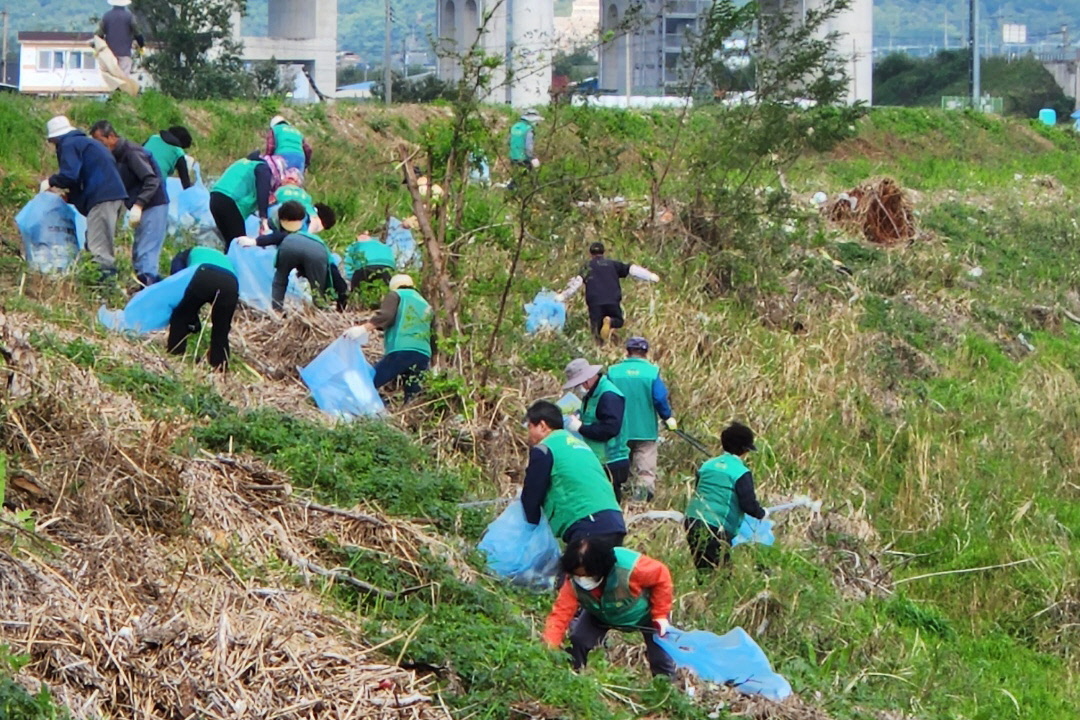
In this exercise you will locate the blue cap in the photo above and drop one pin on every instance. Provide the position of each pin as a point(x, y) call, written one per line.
point(637, 343)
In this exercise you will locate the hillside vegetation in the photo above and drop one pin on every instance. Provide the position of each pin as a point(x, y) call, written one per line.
point(929, 395)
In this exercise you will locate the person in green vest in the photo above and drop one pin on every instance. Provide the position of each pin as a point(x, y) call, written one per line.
point(243, 189)
point(523, 140)
point(369, 260)
point(214, 283)
point(601, 420)
point(285, 140)
point(646, 398)
point(566, 483)
point(723, 494)
point(614, 587)
point(303, 251)
point(169, 150)
point(406, 319)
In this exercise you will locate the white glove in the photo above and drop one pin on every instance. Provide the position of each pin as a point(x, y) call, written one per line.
point(535, 162)
point(672, 425)
point(574, 424)
point(44, 186)
point(662, 626)
point(639, 273)
point(560, 297)
point(264, 226)
point(357, 334)
point(767, 513)
point(245, 241)
point(135, 215)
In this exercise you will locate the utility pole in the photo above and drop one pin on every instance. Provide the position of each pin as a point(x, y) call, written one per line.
point(3, 62)
point(973, 43)
point(629, 72)
point(946, 28)
point(387, 74)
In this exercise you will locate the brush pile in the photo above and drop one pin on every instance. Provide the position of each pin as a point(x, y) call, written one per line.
point(152, 587)
point(879, 210)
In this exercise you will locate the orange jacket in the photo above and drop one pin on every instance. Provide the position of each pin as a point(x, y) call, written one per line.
point(648, 574)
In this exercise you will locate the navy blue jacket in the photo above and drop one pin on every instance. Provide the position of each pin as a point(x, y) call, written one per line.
point(140, 174)
point(87, 171)
point(602, 278)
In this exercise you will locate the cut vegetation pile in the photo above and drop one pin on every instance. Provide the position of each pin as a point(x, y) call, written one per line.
point(130, 603)
point(879, 210)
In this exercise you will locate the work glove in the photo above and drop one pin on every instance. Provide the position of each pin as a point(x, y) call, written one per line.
point(44, 186)
point(535, 162)
point(662, 626)
point(264, 227)
point(135, 215)
point(575, 424)
point(767, 514)
point(357, 334)
point(672, 425)
point(560, 297)
point(245, 241)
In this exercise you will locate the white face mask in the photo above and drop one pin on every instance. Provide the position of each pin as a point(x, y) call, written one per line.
point(588, 583)
point(580, 391)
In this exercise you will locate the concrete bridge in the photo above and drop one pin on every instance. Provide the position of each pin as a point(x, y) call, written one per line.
point(1065, 67)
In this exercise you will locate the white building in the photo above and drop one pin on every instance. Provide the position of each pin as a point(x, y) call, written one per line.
point(62, 63)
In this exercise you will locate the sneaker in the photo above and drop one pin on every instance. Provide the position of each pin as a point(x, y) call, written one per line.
point(605, 329)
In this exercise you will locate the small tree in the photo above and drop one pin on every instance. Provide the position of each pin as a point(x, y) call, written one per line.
point(196, 55)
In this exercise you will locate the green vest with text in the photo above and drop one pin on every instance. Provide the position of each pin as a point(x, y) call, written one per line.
point(714, 502)
point(285, 193)
point(519, 134)
point(412, 325)
point(614, 449)
point(616, 606)
point(635, 377)
point(369, 253)
point(164, 154)
point(579, 486)
point(209, 256)
point(287, 139)
point(238, 183)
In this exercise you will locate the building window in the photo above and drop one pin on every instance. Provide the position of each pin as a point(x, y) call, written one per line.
point(75, 61)
point(58, 60)
point(44, 60)
point(89, 62)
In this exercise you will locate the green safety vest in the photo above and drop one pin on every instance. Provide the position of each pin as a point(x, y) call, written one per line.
point(285, 193)
point(616, 448)
point(579, 486)
point(616, 606)
point(238, 183)
point(287, 139)
point(164, 154)
point(714, 502)
point(519, 133)
point(412, 326)
point(209, 256)
point(368, 253)
point(635, 377)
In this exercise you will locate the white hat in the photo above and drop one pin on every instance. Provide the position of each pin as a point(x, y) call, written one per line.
point(401, 280)
point(578, 371)
point(276, 120)
point(58, 126)
point(120, 3)
point(531, 115)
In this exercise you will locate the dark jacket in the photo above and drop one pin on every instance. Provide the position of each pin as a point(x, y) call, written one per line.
point(118, 28)
point(140, 174)
point(601, 278)
point(87, 171)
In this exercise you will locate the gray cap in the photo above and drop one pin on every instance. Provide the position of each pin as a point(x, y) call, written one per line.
point(578, 371)
point(531, 116)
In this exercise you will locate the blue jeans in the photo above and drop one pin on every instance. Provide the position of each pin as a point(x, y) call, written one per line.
point(149, 237)
point(406, 364)
point(293, 160)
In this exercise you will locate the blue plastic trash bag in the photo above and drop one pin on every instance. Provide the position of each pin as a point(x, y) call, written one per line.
point(151, 308)
point(753, 530)
point(173, 187)
point(50, 233)
point(526, 554)
point(479, 171)
point(544, 313)
point(732, 659)
point(255, 274)
point(340, 380)
point(401, 241)
point(252, 225)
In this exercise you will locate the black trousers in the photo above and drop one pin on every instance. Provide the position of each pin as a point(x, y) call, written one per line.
point(618, 472)
point(587, 631)
point(227, 217)
point(710, 546)
point(214, 285)
point(597, 313)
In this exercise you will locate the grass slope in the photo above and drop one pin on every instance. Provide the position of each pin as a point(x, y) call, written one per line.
point(902, 396)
